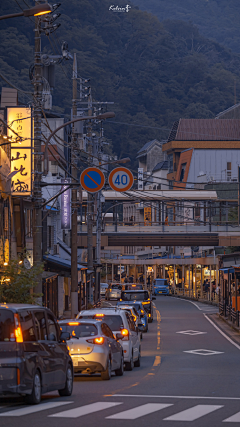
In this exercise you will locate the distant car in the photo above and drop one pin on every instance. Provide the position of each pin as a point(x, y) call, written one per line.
point(113, 291)
point(142, 296)
point(141, 312)
point(160, 287)
point(34, 358)
point(93, 347)
point(122, 325)
point(132, 310)
point(103, 288)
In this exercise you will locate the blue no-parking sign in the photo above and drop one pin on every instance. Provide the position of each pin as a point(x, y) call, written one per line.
point(92, 180)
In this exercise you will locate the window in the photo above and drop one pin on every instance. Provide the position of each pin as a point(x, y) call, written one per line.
point(135, 296)
point(130, 322)
point(170, 163)
point(79, 331)
point(26, 321)
point(52, 330)
point(114, 321)
point(40, 323)
point(7, 326)
point(183, 168)
point(229, 171)
point(106, 330)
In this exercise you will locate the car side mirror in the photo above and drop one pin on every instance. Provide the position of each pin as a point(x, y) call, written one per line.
point(118, 337)
point(65, 336)
point(153, 298)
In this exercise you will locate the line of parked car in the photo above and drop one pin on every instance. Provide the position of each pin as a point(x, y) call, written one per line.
point(39, 354)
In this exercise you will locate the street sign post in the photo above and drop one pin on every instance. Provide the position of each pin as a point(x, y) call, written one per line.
point(92, 180)
point(121, 179)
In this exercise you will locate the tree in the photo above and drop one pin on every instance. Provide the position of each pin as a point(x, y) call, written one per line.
point(17, 282)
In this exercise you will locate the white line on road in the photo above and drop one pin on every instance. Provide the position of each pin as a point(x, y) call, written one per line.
point(193, 413)
point(234, 419)
point(32, 409)
point(222, 333)
point(85, 410)
point(175, 397)
point(140, 411)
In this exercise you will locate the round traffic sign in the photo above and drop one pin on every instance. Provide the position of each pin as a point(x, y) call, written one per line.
point(92, 180)
point(120, 179)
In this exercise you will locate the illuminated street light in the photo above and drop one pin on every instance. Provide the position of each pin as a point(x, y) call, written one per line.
point(38, 10)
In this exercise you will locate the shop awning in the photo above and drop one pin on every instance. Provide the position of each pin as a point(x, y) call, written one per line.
point(50, 208)
point(227, 270)
point(61, 262)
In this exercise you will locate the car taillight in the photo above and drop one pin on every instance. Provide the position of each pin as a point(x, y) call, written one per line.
point(18, 329)
point(99, 340)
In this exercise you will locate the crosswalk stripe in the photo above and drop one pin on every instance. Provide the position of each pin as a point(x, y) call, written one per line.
point(234, 419)
point(193, 413)
point(31, 409)
point(85, 410)
point(140, 411)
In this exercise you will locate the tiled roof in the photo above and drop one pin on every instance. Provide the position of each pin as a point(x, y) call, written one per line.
point(205, 130)
point(161, 165)
point(147, 145)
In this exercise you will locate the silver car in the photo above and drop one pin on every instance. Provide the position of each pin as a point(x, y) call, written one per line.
point(103, 288)
point(93, 347)
point(113, 291)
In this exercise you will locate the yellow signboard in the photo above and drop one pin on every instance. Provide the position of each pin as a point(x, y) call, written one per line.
point(147, 216)
point(20, 121)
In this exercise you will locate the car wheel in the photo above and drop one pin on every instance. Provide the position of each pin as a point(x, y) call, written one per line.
point(137, 364)
point(106, 375)
point(129, 365)
point(67, 390)
point(35, 397)
point(119, 372)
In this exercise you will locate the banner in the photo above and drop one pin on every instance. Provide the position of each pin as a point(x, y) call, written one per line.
point(66, 205)
point(20, 121)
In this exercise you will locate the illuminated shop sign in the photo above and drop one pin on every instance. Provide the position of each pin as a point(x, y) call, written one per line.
point(20, 121)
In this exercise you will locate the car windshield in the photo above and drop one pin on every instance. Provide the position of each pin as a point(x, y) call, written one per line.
point(80, 330)
point(116, 287)
point(7, 325)
point(114, 321)
point(136, 305)
point(135, 296)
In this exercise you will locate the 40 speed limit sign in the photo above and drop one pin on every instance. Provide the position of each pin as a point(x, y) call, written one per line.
point(120, 179)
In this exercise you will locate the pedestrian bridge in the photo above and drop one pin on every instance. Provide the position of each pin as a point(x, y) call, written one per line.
point(160, 234)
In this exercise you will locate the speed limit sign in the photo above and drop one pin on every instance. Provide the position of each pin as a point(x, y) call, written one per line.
point(120, 179)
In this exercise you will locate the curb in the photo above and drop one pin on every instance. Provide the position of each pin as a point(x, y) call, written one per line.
point(229, 324)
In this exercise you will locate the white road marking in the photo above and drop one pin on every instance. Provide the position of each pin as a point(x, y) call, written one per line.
point(176, 397)
point(140, 411)
point(32, 409)
point(191, 332)
point(202, 352)
point(193, 413)
point(85, 410)
point(234, 419)
point(222, 333)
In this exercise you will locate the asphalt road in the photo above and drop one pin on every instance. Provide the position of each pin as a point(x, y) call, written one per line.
point(189, 374)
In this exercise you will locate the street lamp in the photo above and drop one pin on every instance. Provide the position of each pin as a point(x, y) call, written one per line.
point(38, 10)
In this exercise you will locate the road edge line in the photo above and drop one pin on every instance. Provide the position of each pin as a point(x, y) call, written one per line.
point(221, 332)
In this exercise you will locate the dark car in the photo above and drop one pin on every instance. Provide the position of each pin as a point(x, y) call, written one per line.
point(34, 358)
point(142, 296)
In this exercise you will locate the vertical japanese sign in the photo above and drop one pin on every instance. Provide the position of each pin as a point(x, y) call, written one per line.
point(140, 178)
point(20, 121)
point(66, 205)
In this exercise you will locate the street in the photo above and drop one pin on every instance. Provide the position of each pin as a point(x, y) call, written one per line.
point(189, 373)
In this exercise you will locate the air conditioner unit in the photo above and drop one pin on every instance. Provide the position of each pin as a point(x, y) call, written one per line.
point(56, 249)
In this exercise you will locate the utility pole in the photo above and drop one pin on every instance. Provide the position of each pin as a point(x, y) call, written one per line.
point(90, 201)
point(37, 193)
point(74, 270)
point(99, 229)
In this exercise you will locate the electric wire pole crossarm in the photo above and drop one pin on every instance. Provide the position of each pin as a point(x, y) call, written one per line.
point(103, 116)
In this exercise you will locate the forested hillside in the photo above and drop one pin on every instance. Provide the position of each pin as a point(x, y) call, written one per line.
point(154, 72)
point(216, 19)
